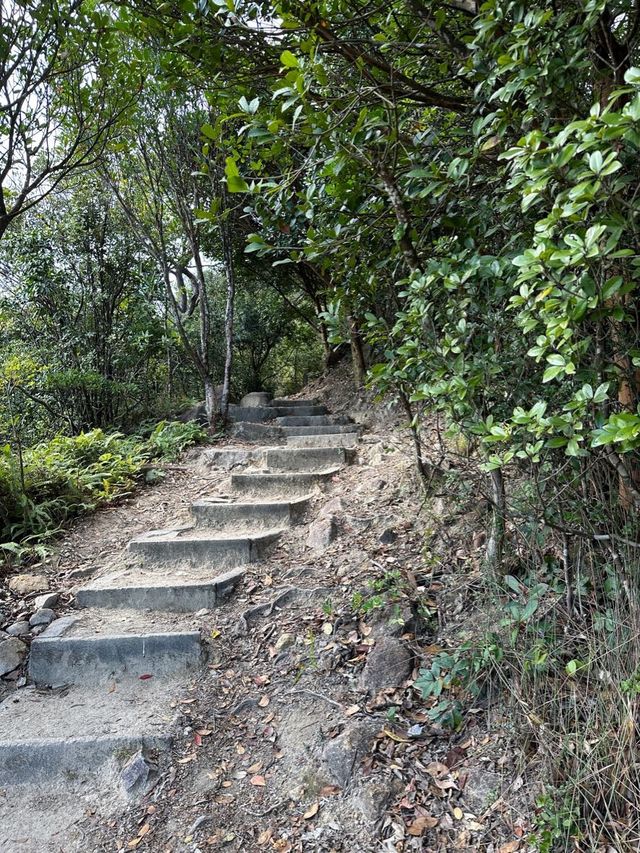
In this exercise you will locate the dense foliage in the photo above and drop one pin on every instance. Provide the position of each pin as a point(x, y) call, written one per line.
point(450, 191)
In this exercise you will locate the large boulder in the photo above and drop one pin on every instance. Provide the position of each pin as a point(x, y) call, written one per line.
point(255, 398)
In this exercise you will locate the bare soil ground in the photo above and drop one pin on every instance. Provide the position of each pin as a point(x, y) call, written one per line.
point(305, 732)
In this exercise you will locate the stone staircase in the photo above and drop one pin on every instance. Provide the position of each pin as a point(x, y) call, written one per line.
point(103, 680)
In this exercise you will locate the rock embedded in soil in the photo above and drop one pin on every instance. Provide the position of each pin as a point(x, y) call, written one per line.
point(26, 584)
point(389, 664)
point(12, 652)
point(342, 755)
point(283, 642)
point(388, 536)
point(49, 599)
point(332, 508)
point(321, 534)
point(481, 789)
point(18, 629)
point(137, 773)
point(44, 616)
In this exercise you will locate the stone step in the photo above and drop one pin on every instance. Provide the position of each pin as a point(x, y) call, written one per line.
point(305, 458)
point(197, 548)
point(307, 421)
point(337, 439)
point(284, 483)
point(317, 429)
point(267, 433)
point(300, 411)
point(55, 733)
point(283, 401)
point(252, 413)
point(55, 661)
point(229, 457)
point(246, 517)
point(93, 647)
point(176, 592)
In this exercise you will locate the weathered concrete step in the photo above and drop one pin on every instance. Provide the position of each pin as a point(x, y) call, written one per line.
point(247, 516)
point(264, 433)
point(257, 483)
point(309, 420)
point(336, 439)
point(45, 734)
point(228, 457)
point(195, 547)
point(283, 401)
point(305, 459)
point(90, 651)
point(158, 591)
point(300, 411)
point(318, 429)
point(252, 413)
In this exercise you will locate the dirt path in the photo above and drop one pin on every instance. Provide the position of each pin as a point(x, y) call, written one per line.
point(304, 732)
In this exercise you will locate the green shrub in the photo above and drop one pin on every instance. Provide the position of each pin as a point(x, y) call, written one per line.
point(170, 438)
point(60, 479)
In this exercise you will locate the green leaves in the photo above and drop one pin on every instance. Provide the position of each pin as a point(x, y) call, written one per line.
point(288, 59)
point(235, 183)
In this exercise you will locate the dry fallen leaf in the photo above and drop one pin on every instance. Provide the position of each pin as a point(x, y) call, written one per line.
point(312, 811)
point(421, 823)
point(458, 813)
point(394, 736)
point(263, 702)
point(259, 781)
point(351, 710)
point(256, 767)
point(509, 847)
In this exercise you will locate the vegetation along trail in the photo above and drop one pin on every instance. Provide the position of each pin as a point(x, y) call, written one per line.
point(319, 425)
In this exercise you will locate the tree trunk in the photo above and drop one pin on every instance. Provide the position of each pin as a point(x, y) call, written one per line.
point(421, 466)
point(495, 542)
point(228, 311)
point(210, 400)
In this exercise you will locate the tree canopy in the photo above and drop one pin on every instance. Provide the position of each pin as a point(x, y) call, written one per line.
point(205, 197)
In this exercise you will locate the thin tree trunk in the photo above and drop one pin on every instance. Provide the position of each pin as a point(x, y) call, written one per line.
point(210, 400)
point(227, 249)
point(421, 466)
point(495, 542)
point(357, 353)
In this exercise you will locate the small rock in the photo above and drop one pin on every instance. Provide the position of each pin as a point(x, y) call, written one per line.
point(137, 773)
point(388, 664)
point(388, 536)
point(25, 584)
point(49, 599)
point(481, 789)
point(322, 533)
point(58, 627)
point(333, 507)
point(18, 629)
point(44, 616)
point(343, 754)
point(283, 642)
point(77, 574)
point(12, 652)
point(375, 796)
